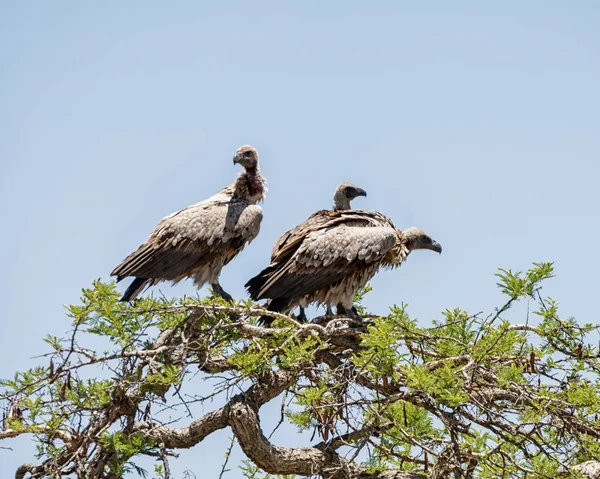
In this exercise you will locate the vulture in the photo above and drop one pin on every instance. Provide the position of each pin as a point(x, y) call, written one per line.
point(344, 194)
point(330, 256)
point(197, 241)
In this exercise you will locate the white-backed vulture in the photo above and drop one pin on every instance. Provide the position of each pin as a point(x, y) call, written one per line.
point(197, 241)
point(330, 256)
point(343, 195)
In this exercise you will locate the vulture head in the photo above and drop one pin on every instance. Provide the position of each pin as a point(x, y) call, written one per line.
point(247, 156)
point(416, 238)
point(344, 194)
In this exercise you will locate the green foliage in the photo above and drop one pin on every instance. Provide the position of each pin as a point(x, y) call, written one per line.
point(298, 351)
point(516, 391)
point(122, 448)
point(442, 383)
point(439, 362)
point(517, 285)
point(251, 471)
point(381, 353)
point(252, 359)
point(358, 300)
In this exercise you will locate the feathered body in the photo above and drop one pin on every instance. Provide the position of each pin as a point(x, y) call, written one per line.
point(329, 257)
point(197, 241)
point(343, 195)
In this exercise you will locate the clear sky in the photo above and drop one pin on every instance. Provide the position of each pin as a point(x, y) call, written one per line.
point(477, 121)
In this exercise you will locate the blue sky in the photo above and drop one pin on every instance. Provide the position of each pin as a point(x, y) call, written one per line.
point(478, 122)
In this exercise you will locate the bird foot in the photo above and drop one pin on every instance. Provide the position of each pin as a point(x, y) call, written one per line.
point(351, 313)
point(301, 317)
point(219, 291)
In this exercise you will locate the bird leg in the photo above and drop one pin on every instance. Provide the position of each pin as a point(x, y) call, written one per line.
point(351, 313)
point(302, 315)
point(328, 311)
point(219, 291)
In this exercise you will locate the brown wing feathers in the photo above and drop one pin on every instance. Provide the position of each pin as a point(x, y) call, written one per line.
point(322, 252)
point(316, 257)
point(200, 239)
point(166, 263)
point(325, 259)
point(331, 255)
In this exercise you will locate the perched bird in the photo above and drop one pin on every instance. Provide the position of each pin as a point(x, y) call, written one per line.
point(330, 256)
point(197, 241)
point(343, 195)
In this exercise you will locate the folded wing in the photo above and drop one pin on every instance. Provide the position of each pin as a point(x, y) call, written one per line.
point(328, 248)
point(188, 238)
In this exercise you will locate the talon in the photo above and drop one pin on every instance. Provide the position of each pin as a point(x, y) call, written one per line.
point(219, 291)
point(302, 315)
point(351, 313)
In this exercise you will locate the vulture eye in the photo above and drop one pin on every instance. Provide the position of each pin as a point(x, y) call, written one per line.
point(347, 191)
point(425, 239)
point(248, 153)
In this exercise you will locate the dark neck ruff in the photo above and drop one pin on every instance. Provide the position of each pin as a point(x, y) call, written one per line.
point(254, 181)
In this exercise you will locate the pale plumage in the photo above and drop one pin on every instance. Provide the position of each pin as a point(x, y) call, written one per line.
point(197, 241)
point(330, 256)
point(343, 195)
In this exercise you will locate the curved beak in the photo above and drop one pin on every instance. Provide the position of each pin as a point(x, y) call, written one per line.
point(360, 192)
point(435, 246)
point(240, 159)
point(352, 192)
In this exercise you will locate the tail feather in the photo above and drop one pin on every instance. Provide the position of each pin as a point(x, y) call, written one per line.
point(135, 288)
point(256, 284)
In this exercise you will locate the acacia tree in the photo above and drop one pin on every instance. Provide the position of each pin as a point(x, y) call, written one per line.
point(471, 396)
